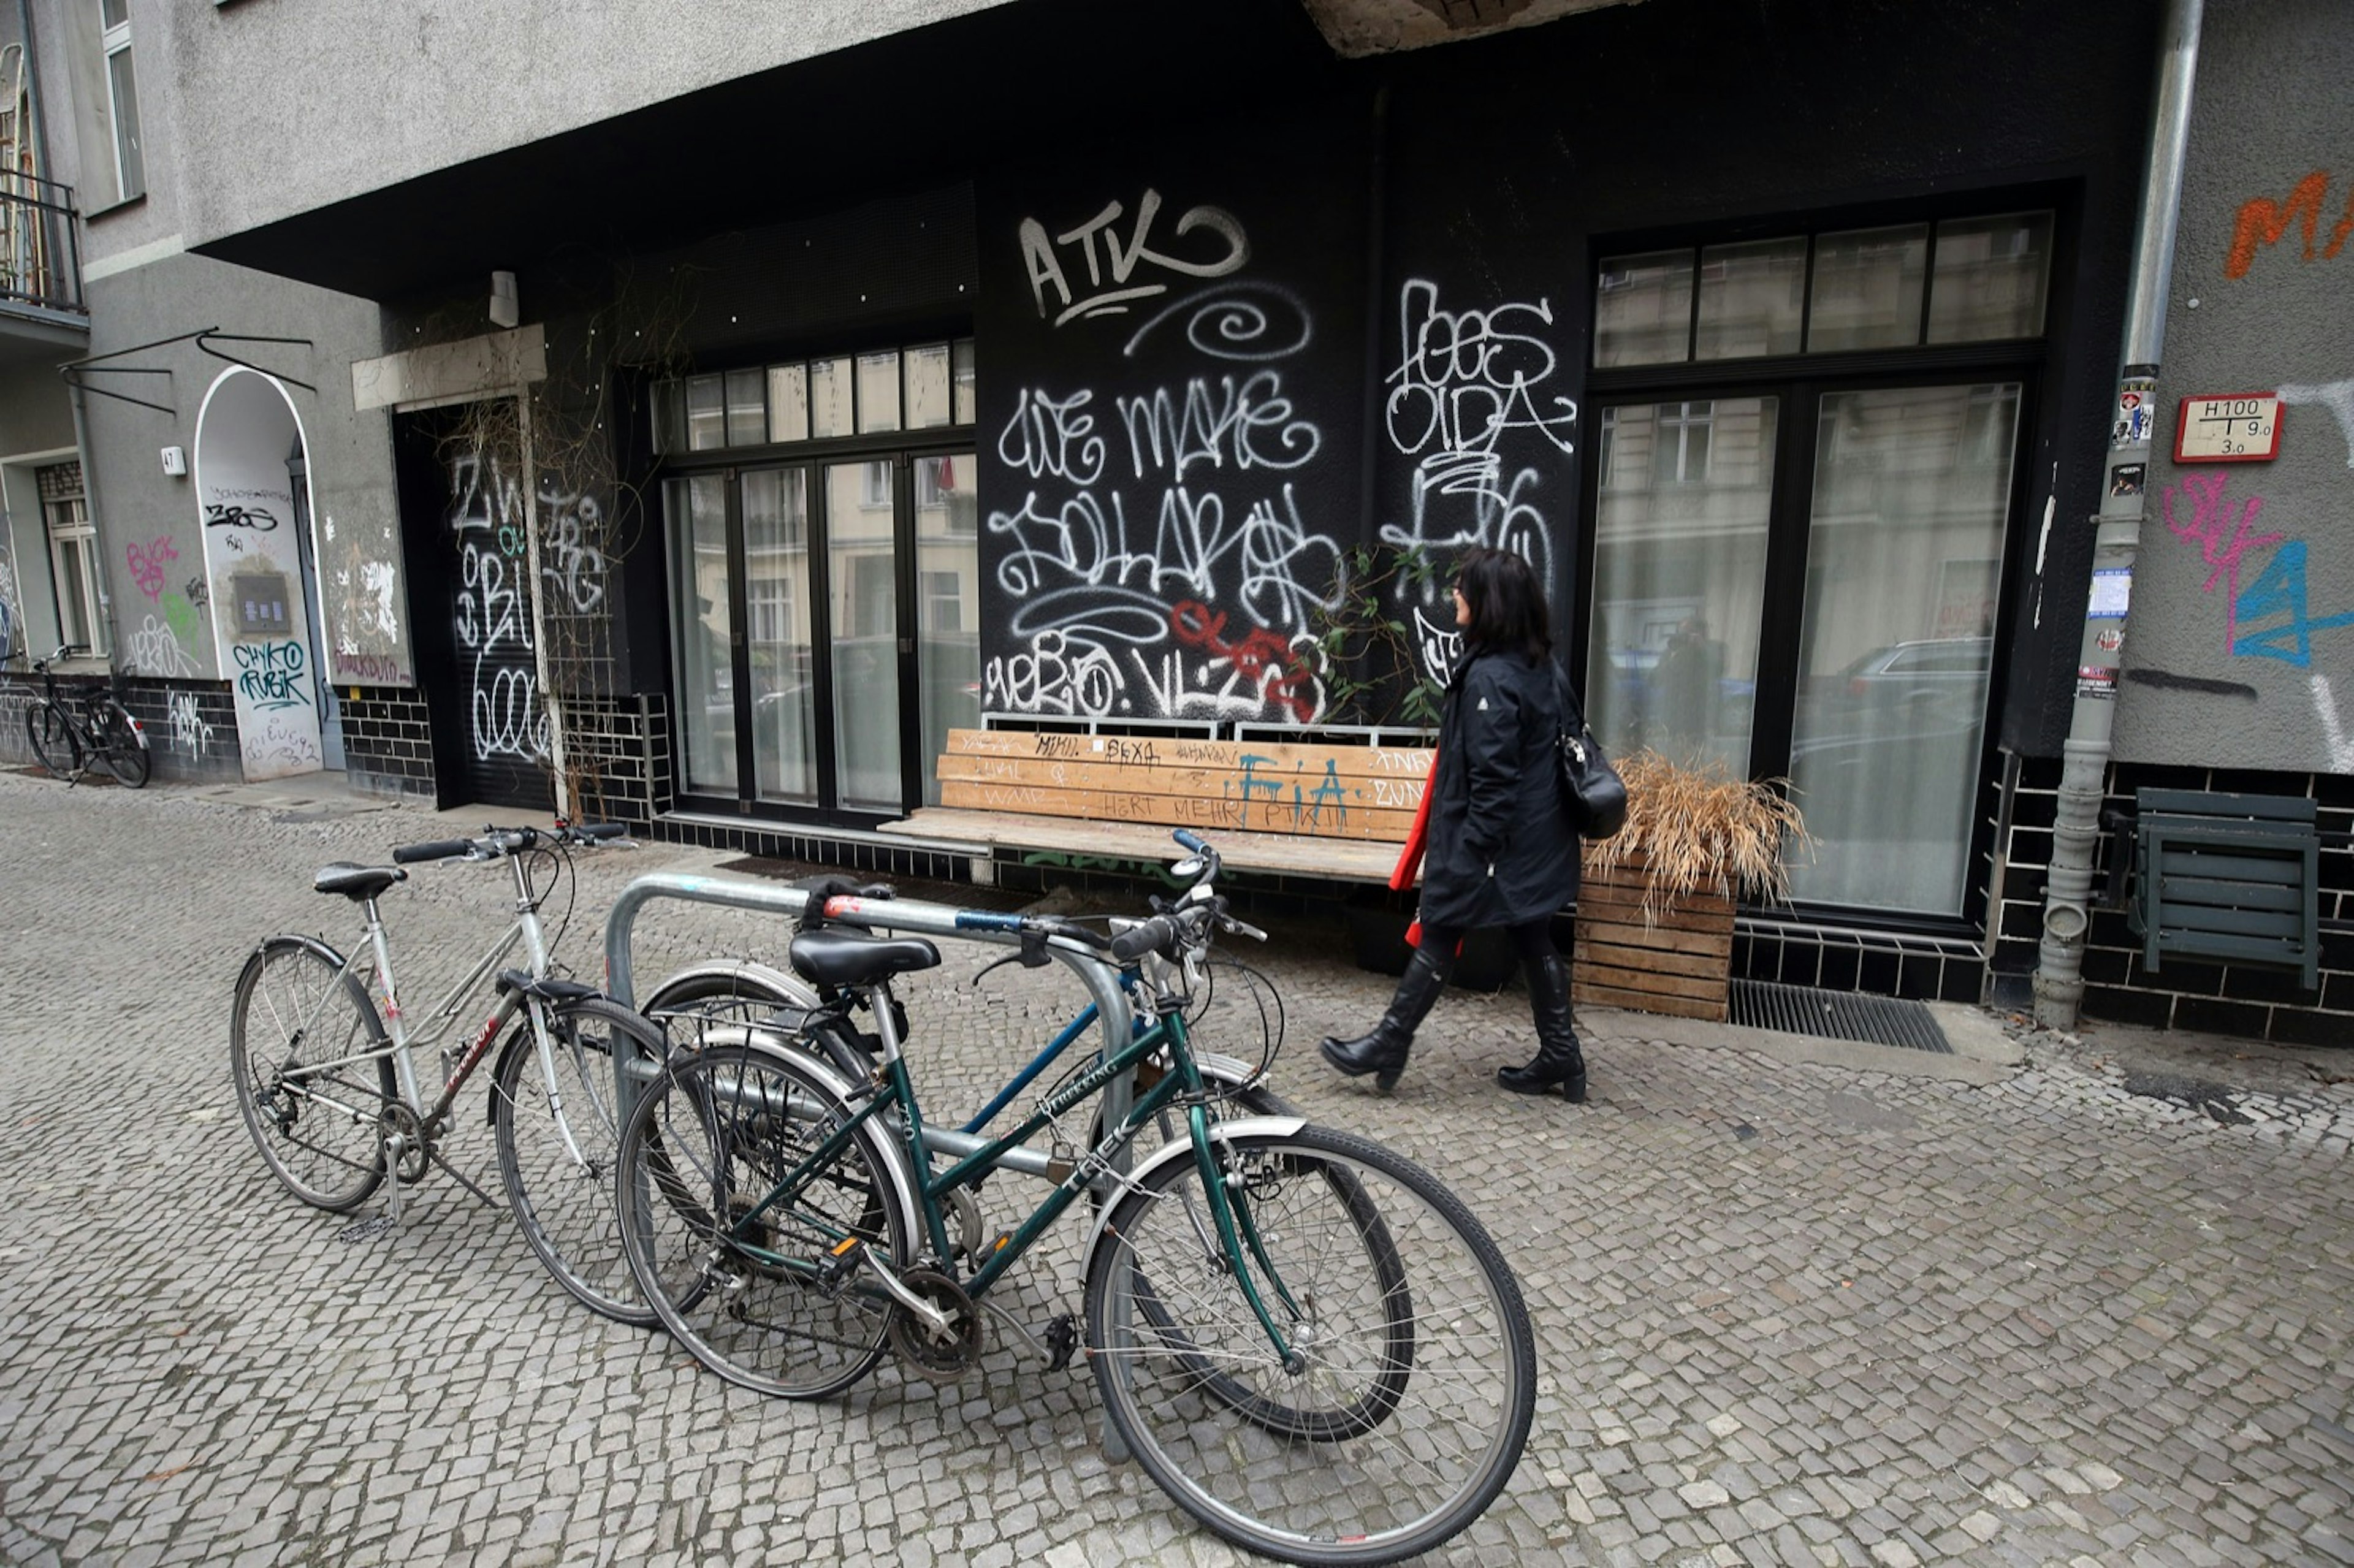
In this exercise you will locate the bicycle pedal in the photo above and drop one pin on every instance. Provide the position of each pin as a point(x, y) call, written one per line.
point(1062, 1339)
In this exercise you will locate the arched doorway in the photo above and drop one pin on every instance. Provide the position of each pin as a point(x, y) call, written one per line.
point(261, 574)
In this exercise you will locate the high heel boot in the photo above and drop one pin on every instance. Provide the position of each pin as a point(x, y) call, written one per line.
point(1559, 1064)
point(1383, 1052)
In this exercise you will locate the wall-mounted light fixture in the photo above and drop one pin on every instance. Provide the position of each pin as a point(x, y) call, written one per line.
point(505, 311)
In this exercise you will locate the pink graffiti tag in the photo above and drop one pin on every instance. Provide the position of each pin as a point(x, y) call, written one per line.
point(1261, 657)
point(147, 564)
point(2224, 533)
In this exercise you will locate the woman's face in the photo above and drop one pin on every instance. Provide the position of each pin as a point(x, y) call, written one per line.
point(1462, 607)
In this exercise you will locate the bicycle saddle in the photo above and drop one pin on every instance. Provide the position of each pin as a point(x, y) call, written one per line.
point(843, 957)
point(357, 881)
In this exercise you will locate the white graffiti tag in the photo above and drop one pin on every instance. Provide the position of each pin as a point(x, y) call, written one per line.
point(190, 732)
point(155, 650)
point(1111, 266)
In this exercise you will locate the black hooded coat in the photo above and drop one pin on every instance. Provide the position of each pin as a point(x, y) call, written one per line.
point(1501, 851)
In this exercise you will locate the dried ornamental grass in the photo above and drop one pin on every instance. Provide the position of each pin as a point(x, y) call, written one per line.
point(1696, 828)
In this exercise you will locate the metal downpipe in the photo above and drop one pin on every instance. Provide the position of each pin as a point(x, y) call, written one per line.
point(2116, 540)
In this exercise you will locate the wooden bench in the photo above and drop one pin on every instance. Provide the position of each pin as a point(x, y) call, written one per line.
point(2235, 877)
point(1337, 811)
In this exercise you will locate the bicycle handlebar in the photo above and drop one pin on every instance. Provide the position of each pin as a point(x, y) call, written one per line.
point(498, 842)
point(1151, 937)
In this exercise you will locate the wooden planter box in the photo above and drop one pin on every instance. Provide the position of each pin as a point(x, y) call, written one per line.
point(1683, 966)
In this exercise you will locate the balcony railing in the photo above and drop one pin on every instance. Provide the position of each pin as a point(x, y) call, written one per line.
point(40, 249)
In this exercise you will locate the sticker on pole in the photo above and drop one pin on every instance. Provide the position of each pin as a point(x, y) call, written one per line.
point(2238, 427)
point(2132, 427)
point(2094, 682)
point(2111, 594)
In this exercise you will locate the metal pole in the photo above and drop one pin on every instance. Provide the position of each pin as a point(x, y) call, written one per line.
point(2117, 538)
point(538, 613)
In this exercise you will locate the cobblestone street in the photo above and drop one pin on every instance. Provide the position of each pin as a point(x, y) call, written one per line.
point(2051, 1302)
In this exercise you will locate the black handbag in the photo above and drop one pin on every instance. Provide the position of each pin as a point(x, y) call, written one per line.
point(1596, 795)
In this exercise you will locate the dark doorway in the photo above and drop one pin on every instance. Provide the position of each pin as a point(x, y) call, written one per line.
point(461, 523)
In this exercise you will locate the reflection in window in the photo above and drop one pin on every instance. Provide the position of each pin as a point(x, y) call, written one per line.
point(1991, 278)
point(747, 414)
point(1752, 298)
point(707, 414)
point(829, 397)
point(1896, 642)
point(776, 593)
point(947, 571)
point(1679, 577)
point(788, 402)
point(1642, 309)
point(928, 385)
point(701, 632)
point(1867, 292)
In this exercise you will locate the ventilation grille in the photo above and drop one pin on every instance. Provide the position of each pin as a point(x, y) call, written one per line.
point(1837, 1015)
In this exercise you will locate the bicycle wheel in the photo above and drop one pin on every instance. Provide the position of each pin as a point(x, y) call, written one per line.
point(53, 738)
point(121, 748)
point(712, 1242)
point(1358, 1456)
point(715, 1004)
point(307, 1052)
point(557, 1123)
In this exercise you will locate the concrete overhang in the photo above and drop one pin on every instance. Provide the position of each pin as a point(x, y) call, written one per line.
point(1036, 80)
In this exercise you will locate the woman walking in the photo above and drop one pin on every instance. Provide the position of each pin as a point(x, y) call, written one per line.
point(1498, 848)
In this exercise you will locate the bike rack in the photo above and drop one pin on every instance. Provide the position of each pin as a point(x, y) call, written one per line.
point(906, 915)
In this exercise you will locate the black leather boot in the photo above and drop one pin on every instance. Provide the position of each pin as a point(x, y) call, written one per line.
point(1559, 1064)
point(1383, 1052)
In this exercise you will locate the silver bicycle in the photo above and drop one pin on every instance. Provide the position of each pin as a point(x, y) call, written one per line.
point(326, 1065)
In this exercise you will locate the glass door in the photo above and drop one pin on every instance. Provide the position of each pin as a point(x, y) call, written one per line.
point(1910, 502)
point(824, 627)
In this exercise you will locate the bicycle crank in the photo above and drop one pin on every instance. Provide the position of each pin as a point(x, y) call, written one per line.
point(946, 1351)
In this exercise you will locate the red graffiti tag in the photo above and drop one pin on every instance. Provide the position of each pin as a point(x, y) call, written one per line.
point(2223, 532)
point(147, 564)
point(1262, 657)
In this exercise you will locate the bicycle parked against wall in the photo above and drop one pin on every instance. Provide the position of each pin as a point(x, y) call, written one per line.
point(103, 734)
point(1303, 1338)
point(327, 1078)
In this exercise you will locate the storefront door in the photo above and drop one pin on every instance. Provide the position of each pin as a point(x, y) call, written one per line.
point(824, 635)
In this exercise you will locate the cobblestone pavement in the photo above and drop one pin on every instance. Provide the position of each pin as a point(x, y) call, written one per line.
point(1789, 1311)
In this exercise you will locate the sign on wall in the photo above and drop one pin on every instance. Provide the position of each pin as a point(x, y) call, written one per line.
point(2237, 427)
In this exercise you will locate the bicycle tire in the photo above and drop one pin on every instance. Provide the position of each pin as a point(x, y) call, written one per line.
point(55, 742)
point(1448, 1441)
point(121, 750)
point(556, 1144)
point(704, 1147)
point(314, 1116)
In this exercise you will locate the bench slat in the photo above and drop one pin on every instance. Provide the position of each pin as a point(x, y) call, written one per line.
point(2212, 803)
point(1287, 854)
point(1290, 804)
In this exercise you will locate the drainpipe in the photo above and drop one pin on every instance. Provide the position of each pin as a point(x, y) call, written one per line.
point(2117, 538)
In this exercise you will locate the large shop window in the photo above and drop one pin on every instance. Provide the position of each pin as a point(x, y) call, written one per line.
point(824, 577)
point(1799, 558)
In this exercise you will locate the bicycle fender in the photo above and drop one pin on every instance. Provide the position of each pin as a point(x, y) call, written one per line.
point(377, 1034)
point(789, 990)
point(1182, 1149)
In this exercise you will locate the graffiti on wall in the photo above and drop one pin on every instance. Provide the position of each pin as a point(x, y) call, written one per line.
point(1166, 559)
point(1473, 397)
point(146, 564)
point(2263, 221)
point(2270, 616)
point(190, 732)
point(1117, 274)
point(505, 716)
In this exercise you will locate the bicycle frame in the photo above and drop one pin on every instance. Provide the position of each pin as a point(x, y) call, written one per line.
point(1235, 1234)
point(401, 1046)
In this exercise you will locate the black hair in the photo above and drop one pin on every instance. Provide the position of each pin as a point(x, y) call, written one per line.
point(1508, 603)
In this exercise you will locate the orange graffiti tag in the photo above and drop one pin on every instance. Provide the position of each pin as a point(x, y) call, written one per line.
point(2264, 221)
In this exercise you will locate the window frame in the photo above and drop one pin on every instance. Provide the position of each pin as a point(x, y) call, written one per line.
point(88, 592)
point(129, 143)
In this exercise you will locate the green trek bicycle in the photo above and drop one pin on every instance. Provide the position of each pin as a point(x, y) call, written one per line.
point(1302, 1337)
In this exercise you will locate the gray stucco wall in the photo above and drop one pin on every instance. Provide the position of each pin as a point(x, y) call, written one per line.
point(377, 91)
point(350, 457)
point(2240, 651)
